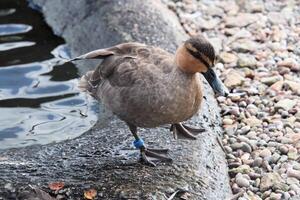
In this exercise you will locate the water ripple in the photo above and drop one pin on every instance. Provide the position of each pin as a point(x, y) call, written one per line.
point(12, 29)
point(39, 99)
point(14, 45)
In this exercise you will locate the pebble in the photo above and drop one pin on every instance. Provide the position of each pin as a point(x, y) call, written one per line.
point(275, 157)
point(270, 179)
point(241, 181)
point(275, 196)
point(293, 154)
point(227, 121)
point(286, 196)
point(241, 20)
point(291, 180)
point(245, 60)
point(257, 162)
point(285, 104)
point(265, 153)
point(242, 145)
point(228, 57)
point(244, 46)
point(252, 121)
point(293, 173)
point(233, 78)
point(270, 80)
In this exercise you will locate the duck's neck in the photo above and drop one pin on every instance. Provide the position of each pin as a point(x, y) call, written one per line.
point(185, 61)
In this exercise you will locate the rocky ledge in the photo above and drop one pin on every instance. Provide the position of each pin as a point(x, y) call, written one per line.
point(103, 158)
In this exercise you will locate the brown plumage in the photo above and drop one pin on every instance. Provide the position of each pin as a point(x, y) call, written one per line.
point(146, 86)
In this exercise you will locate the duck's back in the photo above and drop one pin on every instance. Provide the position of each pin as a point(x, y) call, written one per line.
point(142, 85)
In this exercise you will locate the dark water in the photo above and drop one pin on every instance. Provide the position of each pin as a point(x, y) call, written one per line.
point(39, 99)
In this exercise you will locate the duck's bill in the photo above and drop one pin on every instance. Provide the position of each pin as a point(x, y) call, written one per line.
point(215, 82)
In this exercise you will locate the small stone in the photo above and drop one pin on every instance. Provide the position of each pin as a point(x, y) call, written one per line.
point(277, 86)
point(283, 158)
point(266, 194)
point(241, 20)
point(288, 62)
point(285, 104)
point(236, 189)
point(295, 188)
point(266, 165)
point(228, 57)
point(275, 157)
point(256, 6)
point(252, 135)
point(276, 18)
point(208, 24)
point(294, 86)
point(270, 80)
point(291, 180)
point(275, 196)
point(227, 121)
point(253, 121)
point(228, 149)
point(246, 61)
point(252, 109)
point(254, 175)
point(241, 181)
point(286, 196)
point(285, 140)
point(244, 169)
point(257, 162)
point(242, 145)
point(269, 180)
point(233, 78)
point(230, 129)
point(246, 147)
point(245, 46)
point(292, 154)
point(245, 130)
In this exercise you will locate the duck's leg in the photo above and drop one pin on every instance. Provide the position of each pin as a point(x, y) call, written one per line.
point(185, 131)
point(147, 152)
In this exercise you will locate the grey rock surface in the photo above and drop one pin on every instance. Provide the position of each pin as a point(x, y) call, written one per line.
point(103, 158)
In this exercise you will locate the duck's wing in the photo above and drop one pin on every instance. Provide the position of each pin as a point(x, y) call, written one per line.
point(114, 57)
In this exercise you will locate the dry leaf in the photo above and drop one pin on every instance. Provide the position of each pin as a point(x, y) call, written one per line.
point(56, 185)
point(90, 194)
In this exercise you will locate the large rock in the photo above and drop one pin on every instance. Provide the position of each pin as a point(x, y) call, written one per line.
point(103, 157)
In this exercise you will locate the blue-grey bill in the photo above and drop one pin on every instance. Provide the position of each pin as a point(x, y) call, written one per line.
point(215, 82)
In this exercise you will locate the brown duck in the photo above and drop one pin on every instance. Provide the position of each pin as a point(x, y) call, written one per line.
point(147, 86)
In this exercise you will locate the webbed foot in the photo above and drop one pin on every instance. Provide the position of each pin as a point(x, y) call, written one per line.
point(147, 153)
point(183, 131)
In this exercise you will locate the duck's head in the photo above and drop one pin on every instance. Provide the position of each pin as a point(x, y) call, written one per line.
point(198, 55)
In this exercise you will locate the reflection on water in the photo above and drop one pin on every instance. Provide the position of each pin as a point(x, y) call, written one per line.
point(39, 99)
point(10, 29)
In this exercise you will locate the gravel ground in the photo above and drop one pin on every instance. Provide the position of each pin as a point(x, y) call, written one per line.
point(258, 43)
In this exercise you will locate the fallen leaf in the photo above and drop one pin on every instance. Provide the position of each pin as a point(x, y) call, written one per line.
point(90, 194)
point(56, 185)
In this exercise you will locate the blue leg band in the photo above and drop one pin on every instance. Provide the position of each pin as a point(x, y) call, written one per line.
point(138, 143)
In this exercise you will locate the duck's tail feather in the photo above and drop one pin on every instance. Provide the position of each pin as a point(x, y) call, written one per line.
point(96, 54)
